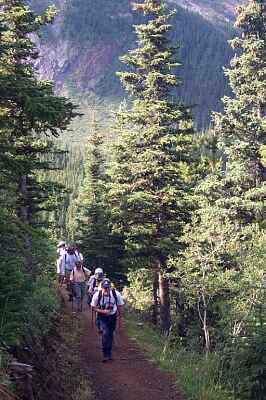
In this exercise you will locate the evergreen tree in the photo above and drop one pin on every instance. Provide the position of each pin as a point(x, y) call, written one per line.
point(229, 222)
point(241, 128)
point(30, 113)
point(92, 221)
point(151, 175)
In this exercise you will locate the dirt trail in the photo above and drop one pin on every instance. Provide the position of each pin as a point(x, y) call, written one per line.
point(130, 376)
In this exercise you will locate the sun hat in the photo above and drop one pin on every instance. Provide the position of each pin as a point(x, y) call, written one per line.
point(60, 244)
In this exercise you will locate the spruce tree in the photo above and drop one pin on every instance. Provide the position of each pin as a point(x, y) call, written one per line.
point(229, 221)
point(92, 222)
point(242, 127)
point(29, 110)
point(151, 175)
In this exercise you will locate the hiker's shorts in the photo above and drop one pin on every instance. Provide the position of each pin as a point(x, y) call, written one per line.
point(79, 290)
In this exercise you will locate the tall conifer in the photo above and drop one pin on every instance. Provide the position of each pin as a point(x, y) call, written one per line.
point(242, 127)
point(232, 201)
point(92, 222)
point(29, 112)
point(151, 173)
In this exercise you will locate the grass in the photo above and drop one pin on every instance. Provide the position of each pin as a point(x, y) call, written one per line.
point(198, 378)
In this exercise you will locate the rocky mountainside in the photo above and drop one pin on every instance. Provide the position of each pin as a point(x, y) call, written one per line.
point(81, 51)
point(213, 10)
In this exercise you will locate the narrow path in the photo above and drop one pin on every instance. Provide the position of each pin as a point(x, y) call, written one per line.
point(130, 376)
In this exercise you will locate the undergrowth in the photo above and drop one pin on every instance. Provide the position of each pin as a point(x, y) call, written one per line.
point(63, 377)
point(198, 377)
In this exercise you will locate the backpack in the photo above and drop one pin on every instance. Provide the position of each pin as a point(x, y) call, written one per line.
point(100, 296)
point(93, 284)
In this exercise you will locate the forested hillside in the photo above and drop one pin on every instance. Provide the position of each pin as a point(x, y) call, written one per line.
point(134, 222)
point(183, 218)
point(81, 52)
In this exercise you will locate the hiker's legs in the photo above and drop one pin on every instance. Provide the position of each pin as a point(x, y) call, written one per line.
point(107, 325)
point(67, 280)
point(69, 285)
point(112, 329)
point(77, 291)
point(98, 324)
point(82, 293)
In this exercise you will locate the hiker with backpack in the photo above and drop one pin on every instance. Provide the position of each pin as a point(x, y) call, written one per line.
point(78, 254)
point(94, 283)
point(108, 304)
point(78, 277)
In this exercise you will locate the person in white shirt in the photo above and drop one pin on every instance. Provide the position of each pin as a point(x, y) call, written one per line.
point(67, 262)
point(108, 303)
point(61, 249)
point(78, 254)
point(94, 283)
point(78, 277)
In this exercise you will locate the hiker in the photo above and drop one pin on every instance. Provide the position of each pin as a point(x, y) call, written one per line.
point(94, 283)
point(61, 249)
point(78, 281)
point(108, 303)
point(78, 254)
point(67, 262)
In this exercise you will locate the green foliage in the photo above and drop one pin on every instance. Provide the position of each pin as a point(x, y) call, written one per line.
point(138, 294)
point(221, 272)
point(30, 115)
point(153, 166)
point(92, 229)
point(39, 309)
point(4, 361)
point(155, 144)
point(30, 111)
point(246, 360)
point(198, 378)
point(61, 362)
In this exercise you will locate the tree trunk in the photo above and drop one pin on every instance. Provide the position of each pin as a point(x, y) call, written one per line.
point(164, 303)
point(203, 318)
point(155, 288)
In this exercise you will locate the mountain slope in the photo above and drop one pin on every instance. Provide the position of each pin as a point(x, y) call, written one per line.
point(213, 10)
point(81, 51)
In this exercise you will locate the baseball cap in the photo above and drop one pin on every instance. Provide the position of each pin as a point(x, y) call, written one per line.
point(106, 283)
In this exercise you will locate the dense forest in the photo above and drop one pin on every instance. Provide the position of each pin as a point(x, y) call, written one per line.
point(174, 216)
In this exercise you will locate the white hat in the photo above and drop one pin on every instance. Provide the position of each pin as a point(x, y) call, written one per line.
point(60, 244)
point(98, 271)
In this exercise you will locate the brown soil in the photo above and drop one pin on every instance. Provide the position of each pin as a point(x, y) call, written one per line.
point(130, 375)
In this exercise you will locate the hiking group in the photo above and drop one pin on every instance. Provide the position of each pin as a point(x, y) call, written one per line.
point(105, 302)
